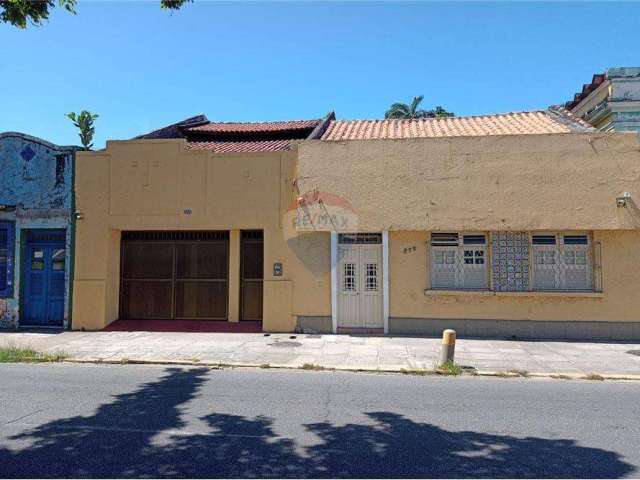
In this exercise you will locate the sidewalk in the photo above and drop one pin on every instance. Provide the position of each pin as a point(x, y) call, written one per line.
point(342, 352)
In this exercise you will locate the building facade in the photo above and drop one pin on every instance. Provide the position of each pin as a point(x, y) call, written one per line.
point(611, 102)
point(36, 232)
point(517, 225)
point(499, 226)
point(185, 224)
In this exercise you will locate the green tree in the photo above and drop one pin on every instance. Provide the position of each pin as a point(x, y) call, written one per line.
point(440, 112)
point(402, 110)
point(173, 4)
point(22, 13)
point(84, 123)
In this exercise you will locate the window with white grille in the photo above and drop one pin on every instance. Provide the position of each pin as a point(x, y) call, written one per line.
point(459, 261)
point(349, 277)
point(546, 274)
point(519, 261)
point(561, 262)
point(371, 277)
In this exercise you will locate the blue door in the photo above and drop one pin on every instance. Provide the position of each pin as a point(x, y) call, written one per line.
point(44, 277)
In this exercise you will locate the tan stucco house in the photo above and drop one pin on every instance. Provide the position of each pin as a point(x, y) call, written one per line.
point(521, 224)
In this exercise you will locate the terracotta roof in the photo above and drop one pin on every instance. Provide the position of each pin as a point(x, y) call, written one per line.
point(554, 120)
point(239, 137)
point(242, 147)
point(175, 129)
point(251, 127)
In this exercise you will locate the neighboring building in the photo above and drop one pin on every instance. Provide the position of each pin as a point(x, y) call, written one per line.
point(611, 101)
point(519, 224)
point(36, 231)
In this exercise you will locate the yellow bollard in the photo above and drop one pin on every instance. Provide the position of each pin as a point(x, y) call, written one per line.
point(448, 346)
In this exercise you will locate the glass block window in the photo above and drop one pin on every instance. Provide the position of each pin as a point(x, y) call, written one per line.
point(519, 261)
point(510, 261)
point(349, 277)
point(371, 277)
point(458, 261)
point(6, 258)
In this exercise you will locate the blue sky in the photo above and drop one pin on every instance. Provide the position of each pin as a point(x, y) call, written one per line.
point(141, 67)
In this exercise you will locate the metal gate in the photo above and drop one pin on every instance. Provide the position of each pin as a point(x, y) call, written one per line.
point(174, 275)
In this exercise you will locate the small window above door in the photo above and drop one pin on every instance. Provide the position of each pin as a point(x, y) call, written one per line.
point(351, 238)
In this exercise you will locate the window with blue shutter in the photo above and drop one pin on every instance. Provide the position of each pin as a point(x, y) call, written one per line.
point(6, 259)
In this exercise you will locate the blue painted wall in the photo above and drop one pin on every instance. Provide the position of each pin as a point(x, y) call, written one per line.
point(36, 191)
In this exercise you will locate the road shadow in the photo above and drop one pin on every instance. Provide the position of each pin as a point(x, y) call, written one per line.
point(122, 440)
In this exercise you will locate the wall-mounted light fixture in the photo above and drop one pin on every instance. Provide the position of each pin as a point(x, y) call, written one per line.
point(79, 215)
point(623, 200)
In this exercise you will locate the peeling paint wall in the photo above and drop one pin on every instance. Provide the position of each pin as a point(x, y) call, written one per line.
point(36, 192)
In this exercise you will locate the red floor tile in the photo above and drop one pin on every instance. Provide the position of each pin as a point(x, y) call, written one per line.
point(183, 326)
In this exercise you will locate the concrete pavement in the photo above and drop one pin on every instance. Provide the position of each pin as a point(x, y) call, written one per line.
point(149, 421)
point(341, 352)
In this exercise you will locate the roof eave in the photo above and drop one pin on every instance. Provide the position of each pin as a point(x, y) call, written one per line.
point(322, 126)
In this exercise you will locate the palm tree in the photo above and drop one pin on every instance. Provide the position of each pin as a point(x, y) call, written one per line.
point(402, 110)
point(440, 112)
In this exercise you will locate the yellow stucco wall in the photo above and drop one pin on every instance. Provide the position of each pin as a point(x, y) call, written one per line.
point(409, 268)
point(553, 182)
point(517, 182)
point(408, 187)
point(149, 184)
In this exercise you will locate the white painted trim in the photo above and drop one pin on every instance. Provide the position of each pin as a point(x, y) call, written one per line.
point(385, 280)
point(595, 97)
point(334, 281)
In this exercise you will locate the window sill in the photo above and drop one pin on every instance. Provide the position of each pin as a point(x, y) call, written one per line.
point(490, 293)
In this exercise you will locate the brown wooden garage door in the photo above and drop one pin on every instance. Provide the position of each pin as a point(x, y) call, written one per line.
point(174, 275)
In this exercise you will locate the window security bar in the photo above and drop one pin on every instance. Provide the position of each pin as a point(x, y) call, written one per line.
point(550, 262)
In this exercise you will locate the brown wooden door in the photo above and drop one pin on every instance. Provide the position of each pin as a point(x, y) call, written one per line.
point(251, 274)
point(174, 275)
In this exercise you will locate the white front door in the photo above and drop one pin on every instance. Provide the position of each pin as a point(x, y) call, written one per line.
point(360, 296)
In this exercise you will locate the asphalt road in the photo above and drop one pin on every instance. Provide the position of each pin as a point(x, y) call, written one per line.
point(148, 421)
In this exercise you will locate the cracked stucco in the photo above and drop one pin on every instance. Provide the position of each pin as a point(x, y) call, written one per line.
point(35, 192)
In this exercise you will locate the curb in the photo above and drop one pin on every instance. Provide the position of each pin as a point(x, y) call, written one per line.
point(419, 372)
